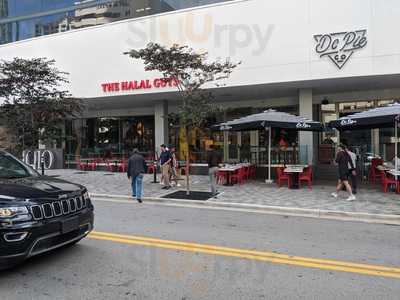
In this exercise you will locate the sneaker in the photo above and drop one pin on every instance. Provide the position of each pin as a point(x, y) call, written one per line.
point(351, 198)
point(140, 200)
point(178, 185)
point(334, 195)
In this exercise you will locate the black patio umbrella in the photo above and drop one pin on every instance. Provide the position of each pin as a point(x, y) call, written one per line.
point(271, 119)
point(381, 117)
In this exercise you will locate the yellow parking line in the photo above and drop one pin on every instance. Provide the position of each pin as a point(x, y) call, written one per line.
point(272, 257)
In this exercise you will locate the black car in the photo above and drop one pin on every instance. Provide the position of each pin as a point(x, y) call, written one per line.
point(38, 213)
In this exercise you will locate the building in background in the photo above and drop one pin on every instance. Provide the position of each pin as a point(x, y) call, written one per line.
point(24, 19)
point(5, 29)
point(306, 57)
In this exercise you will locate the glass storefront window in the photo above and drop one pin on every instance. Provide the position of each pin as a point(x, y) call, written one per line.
point(200, 140)
point(42, 17)
point(352, 107)
point(385, 102)
point(109, 137)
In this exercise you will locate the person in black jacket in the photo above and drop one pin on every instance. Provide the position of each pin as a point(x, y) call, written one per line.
point(136, 169)
point(344, 163)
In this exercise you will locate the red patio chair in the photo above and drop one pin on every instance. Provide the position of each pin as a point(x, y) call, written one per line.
point(246, 172)
point(387, 181)
point(282, 177)
point(306, 176)
point(109, 166)
point(238, 176)
point(398, 188)
point(374, 173)
point(92, 165)
point(151, 168)
point(81, 165)
point(253, 172)
point(122, 166)
point(222, 177)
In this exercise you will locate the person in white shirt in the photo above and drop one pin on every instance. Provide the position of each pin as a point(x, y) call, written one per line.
point(352, 169)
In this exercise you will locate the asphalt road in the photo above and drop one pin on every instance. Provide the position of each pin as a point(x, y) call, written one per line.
point(106, 266)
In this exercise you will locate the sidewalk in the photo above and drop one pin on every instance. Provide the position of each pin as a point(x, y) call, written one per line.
point(370, 201)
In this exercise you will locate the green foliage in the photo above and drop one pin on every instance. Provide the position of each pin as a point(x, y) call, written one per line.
point(33, 105)
point(190, 71)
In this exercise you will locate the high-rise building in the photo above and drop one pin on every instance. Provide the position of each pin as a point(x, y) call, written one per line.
point(5, 29)
point(30, 19)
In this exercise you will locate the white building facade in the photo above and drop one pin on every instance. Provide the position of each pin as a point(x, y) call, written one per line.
point(315, 58)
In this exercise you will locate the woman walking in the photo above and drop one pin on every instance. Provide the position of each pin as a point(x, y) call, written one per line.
point(344, 160)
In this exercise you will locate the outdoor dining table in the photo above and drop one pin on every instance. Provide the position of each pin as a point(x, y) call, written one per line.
point(88, 160)
point(394, 173)
point(229, 170)
point(383, 168)
point(295, 171)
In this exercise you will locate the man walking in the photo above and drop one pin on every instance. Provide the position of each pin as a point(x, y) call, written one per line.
point(343, 160)
point(352, 169)
point(214, 159)
point(165, 162)
point(136, 169)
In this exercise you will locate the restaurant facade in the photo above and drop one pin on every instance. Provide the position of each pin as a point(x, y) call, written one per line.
point(310, 58)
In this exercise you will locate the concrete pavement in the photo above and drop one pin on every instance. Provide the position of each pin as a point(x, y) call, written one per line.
point(103, 269)
point(256, 194)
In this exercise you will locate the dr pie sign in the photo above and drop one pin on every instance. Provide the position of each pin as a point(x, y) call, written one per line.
point(340, 46)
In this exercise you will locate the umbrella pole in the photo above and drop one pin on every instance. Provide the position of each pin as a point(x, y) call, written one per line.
point(269, 180)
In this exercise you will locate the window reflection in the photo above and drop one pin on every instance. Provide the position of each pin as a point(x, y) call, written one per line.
point(101, 137)
point(53, 16)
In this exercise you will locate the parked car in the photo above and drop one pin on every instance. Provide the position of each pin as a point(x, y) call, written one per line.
point(38, 213)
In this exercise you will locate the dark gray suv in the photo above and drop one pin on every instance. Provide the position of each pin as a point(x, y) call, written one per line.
point(38, 213)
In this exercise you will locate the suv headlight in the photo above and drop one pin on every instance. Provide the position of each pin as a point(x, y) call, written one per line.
point(10, 212)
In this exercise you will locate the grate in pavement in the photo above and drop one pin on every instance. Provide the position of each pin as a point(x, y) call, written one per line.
point(194, 195)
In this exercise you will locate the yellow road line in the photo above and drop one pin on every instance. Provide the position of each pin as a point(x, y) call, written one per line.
point(272, 257)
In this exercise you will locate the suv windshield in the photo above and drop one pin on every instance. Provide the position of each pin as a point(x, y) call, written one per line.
point(11, 168)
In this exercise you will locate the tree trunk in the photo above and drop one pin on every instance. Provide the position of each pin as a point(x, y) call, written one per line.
point(187, 168)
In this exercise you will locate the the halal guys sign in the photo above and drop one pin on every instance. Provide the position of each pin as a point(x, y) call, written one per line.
point(143, 84)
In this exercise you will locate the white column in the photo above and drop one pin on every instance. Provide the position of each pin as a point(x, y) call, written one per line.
point(254, 143)
point(375, 142)
point(161, 124)
point(226, 146)
point(306, 139)
point(239, 144)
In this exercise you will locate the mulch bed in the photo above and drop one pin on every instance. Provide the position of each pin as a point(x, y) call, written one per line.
point(194, 195)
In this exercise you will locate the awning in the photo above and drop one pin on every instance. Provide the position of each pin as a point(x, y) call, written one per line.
point(271, 119)
point(381, 117)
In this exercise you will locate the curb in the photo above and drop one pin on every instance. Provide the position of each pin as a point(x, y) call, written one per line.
point(275, 210)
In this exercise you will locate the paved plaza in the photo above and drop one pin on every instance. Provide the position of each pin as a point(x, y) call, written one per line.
point(369, 200)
